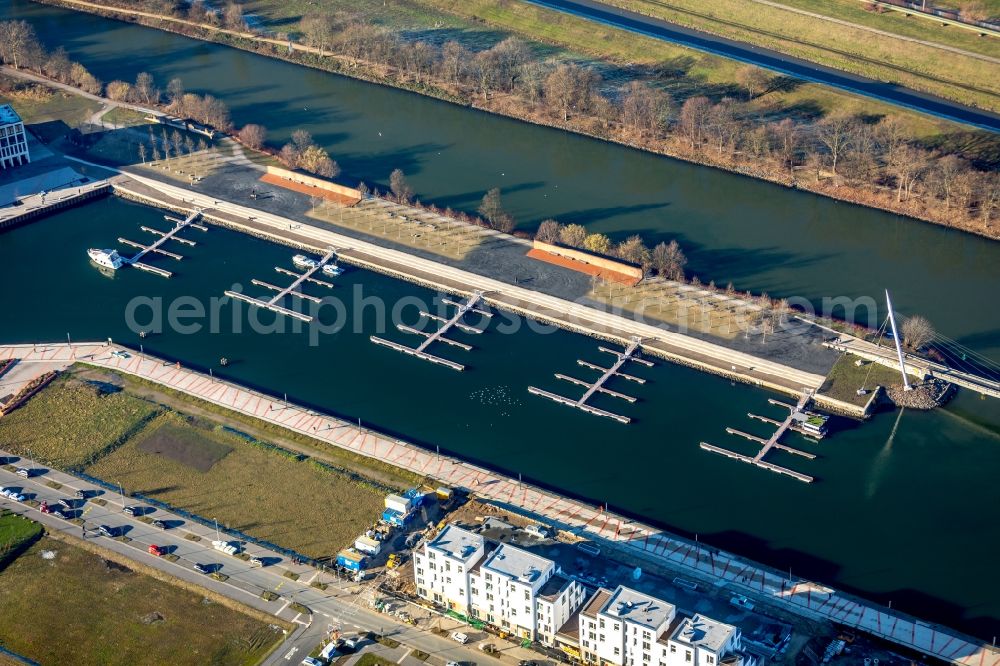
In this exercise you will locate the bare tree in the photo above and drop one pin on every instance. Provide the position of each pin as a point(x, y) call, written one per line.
point(571, 88)
point(907, 164)
point(644, 109)
point(973, 11)
point(786, 136)
point(142, 151)
point(491, 207)
point(989, 196)
point(18, 44)
point(319, 30)
point(316, 160)
point(548, 231)
point(399, 186)
point(233, 17)
point(753, 79)
point(84, 80)
point(253, 136)
point(58, 65)
point(573, 235)
point(119, 91)
point(669, 260)
point(633, 250)
point(694, 118)
point(835, 133)
point(917, 332)
point(145, 88)
point(175, 90)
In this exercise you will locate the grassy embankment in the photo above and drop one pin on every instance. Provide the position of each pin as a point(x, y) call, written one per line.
point(617, 54)
point(173, 449)
point(39, 104)
point(845, 378)
point(15, 533)
point(952, 75)
point(60, 604)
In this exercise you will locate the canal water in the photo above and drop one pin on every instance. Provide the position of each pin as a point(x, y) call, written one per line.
point(904, 508)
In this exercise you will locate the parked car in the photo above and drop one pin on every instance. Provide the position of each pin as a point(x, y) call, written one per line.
point(5, 492)
point(201, 568)
point(311, 661)
point(352, 642)
point(59, 513)
point(24, 472)
point(454, 663)
point(459, 637)
point(741, 601)
point(256, 562)
point(160, 524)
point(17, 497)
point(81, 494)
point(131, 511)
point(106, 530)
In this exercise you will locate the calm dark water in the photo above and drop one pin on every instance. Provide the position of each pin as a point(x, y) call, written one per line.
point(909, 517)
point(905, 507)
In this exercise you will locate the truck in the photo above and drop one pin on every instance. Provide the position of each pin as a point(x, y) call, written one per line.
point(399, 504)
point(367, 545)
point(351, 560)
point(228, 547)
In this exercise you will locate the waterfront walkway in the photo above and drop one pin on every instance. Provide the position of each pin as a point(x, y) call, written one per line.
point(567, 314)
point(703, 563)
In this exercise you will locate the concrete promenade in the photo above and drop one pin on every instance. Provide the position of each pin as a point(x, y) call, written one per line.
point(700, 562)
point(578, 317)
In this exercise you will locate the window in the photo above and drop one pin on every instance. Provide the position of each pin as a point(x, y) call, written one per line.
point(592, 636)
point(420, 571)
point(432, 565)
point(602, 623)
point(645, 645)
point(461, 592)
point(687, 655)
point(709, 659)
point(527, 610)
point(645, 635)
point(447, 580)
point(447, 566)
point(475, 592)
point(602, 638)
point(617, 651)
point(616, 626)
point(673, 649)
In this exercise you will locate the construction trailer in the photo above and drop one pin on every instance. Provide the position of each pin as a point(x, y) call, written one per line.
point(351, 560)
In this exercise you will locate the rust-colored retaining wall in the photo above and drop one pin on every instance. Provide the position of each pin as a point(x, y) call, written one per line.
point(603, 263)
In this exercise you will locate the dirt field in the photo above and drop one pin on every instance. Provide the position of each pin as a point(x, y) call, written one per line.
point(186, 446)
point(282, 499)
point(63, 605)
point(92, 418)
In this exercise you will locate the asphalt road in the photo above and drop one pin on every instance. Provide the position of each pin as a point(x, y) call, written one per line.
point(775, 61)
point(340, 605)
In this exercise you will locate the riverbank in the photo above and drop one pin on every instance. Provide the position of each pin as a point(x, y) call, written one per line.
point(814, 179)
point(705, 564)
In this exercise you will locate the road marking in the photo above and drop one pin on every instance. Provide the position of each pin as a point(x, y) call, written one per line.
point(282, 609)
point(279, 586)
point(313, 577)
point(405, 655)
point(291, 653)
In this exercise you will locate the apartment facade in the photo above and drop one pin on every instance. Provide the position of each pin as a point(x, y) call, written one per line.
point(13, 139)
point(508, 587)
point(441, 571)
point(625, 627)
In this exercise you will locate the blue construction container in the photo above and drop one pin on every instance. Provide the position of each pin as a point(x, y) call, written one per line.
point(351, 560)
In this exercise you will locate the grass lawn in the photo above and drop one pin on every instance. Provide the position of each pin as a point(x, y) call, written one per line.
point(123, 116)
point(64, 605)
point(37, 104)
point(219, 475)
point(846, 378)
point(72, 422)
point(14, 531)
point(369, 659)
point(615, 53)
point(850, 48)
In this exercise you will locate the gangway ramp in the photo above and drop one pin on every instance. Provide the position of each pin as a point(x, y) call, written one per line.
point(420, 351)
point(598, 386)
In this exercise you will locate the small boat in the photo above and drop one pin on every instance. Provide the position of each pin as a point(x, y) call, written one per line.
point(106, 258)
point(302, 261)
point(333, 270)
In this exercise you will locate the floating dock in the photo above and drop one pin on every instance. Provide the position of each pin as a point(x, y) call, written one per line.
point(598, 386)
point(164, 236)
point(796, 414)
point(438, 335)
point(291, 290)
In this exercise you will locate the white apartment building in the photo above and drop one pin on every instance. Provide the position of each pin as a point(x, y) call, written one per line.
point(523, 593)
point(622, 627)
point(630, 628)
point(702, 641)
point(441, 572)
point(509, 587)
point(13, 140)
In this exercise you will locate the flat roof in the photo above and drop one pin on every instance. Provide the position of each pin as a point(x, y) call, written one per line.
point(516, 563)
point(703, 632)
point(554, 587)
point(596, 602)
point(8, 116)
point(637, 607)
point(457, 542)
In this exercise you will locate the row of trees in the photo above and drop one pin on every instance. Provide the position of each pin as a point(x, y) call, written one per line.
point(666, 259)
point(876, 158)
point(21, 49)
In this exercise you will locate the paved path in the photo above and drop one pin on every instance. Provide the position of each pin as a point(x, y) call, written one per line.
point(574, 316)
point(775, 61)
point(697, 561)
point(342, 604)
